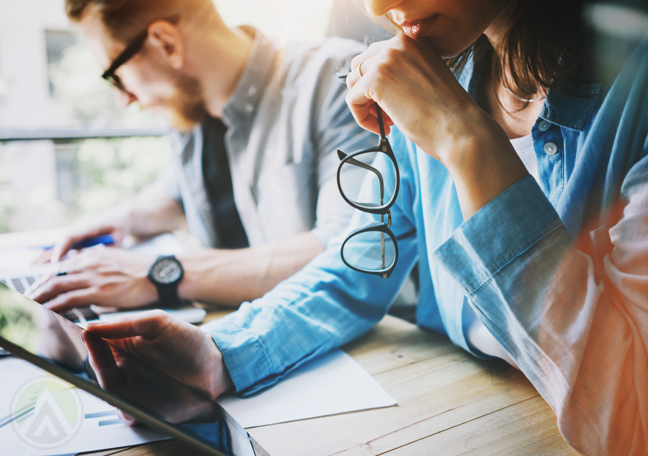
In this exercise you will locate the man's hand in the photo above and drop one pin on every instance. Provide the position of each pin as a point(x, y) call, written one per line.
point(116, 228)
point(178, 349)
point(150, 213)
point(106, 277)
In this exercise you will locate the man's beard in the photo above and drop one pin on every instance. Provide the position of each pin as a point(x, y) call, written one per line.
point(186, 106)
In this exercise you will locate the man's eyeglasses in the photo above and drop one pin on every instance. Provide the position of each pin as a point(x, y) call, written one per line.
point(371, 249)
point(133, 48)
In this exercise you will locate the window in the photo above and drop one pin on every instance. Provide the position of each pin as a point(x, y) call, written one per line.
point(50, 89)
point(56, 43)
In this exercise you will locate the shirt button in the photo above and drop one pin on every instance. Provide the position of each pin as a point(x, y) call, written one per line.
point(550, 148)
point(544, 126)
point(249, 107)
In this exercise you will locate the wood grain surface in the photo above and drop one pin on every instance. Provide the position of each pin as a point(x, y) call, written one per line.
point(449, 403)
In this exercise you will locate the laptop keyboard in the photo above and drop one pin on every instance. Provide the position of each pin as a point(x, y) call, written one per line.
point(20, 284)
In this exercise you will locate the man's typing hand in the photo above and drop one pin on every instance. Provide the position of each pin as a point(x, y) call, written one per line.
point(176, 348)
point(116, 228)
point(104, 277)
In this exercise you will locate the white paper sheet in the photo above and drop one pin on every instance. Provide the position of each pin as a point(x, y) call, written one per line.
point(48, 417)
point(332, 384)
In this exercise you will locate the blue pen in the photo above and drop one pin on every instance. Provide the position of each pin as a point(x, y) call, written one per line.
point(106, 239)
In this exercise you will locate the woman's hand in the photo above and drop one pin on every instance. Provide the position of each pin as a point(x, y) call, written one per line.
point(178, 349)
point(420, 95)
point(417, 91)
point(133, 380)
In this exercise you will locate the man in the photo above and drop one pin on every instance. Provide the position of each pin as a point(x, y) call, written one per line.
point(254, 167)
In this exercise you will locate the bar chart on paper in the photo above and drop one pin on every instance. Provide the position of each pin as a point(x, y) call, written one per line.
point(43, 415)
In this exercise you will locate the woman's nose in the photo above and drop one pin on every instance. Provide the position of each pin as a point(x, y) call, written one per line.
point(379, 8)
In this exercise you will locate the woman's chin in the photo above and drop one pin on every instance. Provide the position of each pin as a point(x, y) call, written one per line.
point(447, 49)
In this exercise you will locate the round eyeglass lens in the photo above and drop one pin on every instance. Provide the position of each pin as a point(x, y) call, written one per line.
point(370, 251)
point(378, 189)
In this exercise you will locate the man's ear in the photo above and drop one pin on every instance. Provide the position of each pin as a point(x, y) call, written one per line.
point(166, 39)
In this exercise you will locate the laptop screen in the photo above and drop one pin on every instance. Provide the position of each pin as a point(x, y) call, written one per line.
point(53, 343)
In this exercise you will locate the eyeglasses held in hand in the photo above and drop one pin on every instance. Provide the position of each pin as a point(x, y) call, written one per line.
point(371, 249)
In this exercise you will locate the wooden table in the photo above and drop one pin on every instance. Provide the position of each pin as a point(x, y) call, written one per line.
point(448, 403)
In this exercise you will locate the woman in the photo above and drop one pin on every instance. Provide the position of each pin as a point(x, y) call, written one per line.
point(556, 271)
point(548, 270)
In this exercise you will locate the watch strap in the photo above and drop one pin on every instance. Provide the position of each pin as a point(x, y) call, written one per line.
point(167, 292)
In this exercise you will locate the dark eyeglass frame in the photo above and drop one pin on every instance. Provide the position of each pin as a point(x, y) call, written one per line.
point(383, 209)
point(128, 53)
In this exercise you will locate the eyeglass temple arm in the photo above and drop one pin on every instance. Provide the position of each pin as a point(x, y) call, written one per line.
point(380, 121)
point(130, 50)
point(359, 164)
point(134, 47)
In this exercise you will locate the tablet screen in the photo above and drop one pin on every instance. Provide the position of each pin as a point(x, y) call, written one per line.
point(53, 343)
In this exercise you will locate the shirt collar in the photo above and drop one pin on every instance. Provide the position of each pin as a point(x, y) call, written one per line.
point(255, 77)
point(570, 107)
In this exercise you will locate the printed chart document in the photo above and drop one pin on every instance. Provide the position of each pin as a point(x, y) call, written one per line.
point(43, 415)
point(334, 383)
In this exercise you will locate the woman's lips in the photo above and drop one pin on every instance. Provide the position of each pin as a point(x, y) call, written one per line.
point(418, 29)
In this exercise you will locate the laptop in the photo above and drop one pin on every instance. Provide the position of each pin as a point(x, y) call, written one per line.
point(19, 282)
point(21, 278)
point(53, 343)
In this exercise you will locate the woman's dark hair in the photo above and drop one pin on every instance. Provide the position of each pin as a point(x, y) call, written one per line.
point(545, 46)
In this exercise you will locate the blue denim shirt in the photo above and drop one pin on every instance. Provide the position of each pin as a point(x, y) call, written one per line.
point(557, 272)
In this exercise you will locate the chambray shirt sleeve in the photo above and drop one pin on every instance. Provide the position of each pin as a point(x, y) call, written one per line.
point(579, 332)
point(318, 309)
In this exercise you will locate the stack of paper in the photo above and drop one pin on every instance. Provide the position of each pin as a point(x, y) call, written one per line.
point(332, 384)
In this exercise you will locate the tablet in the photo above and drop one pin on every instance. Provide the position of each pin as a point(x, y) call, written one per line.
point(51, 342)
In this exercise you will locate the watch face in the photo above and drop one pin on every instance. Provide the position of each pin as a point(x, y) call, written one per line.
point(167, 270)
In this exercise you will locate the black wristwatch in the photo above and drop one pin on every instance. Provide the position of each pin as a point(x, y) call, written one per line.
point(166, 273)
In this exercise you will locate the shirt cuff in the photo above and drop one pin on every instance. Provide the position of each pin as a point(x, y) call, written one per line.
point(497, 234)
point(243, 355)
